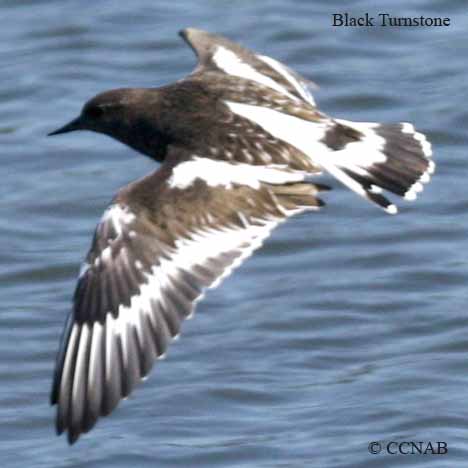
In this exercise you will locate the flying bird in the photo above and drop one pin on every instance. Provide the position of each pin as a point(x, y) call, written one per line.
point(238, 141)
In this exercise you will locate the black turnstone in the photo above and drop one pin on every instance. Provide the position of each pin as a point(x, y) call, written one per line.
point(238, 139)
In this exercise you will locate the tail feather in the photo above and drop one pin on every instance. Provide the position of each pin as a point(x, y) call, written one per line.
point(390, 157)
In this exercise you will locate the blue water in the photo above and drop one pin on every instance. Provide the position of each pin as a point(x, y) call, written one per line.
point(349, 326)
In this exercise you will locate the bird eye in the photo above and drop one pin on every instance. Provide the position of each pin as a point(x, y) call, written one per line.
point(94, 112)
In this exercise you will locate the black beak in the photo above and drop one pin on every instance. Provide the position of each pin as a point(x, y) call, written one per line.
point(70, 127)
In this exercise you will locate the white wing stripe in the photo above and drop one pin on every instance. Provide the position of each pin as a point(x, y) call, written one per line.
point(283, 71)
point(230, 63)
point(204, 244)
point(220, 173)
point(301, 134)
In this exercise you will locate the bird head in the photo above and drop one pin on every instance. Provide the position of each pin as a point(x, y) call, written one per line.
point(126, 114)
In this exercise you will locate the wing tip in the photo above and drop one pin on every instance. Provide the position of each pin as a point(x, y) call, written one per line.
point(73, 436)
point(190, 34)
point(183, 33)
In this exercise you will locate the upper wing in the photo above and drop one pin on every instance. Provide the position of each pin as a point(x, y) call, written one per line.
point(218, 53)
point(158, 246)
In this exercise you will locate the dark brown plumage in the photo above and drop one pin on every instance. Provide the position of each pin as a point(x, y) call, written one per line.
point(238, 139)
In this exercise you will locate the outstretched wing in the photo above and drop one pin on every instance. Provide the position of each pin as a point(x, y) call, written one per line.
point(159, 245)
point(215, 52)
